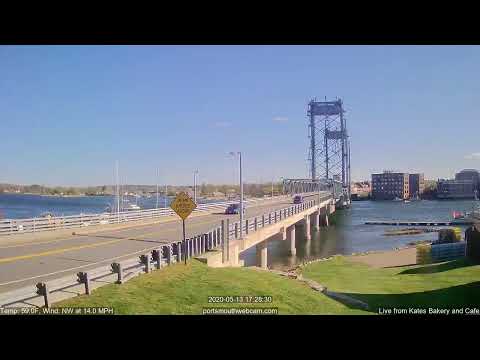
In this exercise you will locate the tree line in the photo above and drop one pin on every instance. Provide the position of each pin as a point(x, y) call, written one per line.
point(249, 189)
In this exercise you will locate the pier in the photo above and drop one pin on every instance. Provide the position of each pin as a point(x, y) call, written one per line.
point(419, 223)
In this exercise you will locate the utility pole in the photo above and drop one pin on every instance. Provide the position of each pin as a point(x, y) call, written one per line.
point(241, 197)
point(272, 187)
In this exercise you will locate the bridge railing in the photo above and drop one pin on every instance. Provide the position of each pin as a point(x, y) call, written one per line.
point(254, 223)
point(157, 257)
point(20, 226)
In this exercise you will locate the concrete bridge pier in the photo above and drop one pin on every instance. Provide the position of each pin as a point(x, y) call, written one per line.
point(316, 217)
point(331, 208)
point(262, 254)
point(291, 239)
point(284, 233)
point(307, 226)
point(324, 216)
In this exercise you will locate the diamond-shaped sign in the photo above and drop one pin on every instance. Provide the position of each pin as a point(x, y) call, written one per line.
point(183, 205)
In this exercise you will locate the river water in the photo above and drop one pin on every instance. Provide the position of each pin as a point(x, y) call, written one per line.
point(349, 234)
point(18, 206)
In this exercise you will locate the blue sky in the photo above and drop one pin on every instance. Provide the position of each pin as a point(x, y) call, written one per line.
point(68, 112)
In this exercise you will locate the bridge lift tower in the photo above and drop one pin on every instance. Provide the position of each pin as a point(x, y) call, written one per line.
point(329, 152)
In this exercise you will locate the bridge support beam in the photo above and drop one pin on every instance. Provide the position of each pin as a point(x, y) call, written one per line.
point(331, 208)
point(316, 216)
point(291, 238)
point(262, 254)
point(307, 226)
point(284, 233)
point(324, 215)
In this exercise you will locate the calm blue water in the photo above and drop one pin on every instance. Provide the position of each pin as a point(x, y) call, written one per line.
point(17, 206)
point(350, 235)
point(20, 206)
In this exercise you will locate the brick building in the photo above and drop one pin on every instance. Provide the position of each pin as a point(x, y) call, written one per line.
point(390, 185)
point(416, 184)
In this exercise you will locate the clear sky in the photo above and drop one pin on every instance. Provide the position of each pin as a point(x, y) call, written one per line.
point(68, 112)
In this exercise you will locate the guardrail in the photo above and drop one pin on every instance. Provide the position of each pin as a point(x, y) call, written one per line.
point(20, 226)
point(157, 258)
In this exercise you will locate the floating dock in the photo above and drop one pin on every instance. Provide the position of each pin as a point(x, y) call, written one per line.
point(419, 223)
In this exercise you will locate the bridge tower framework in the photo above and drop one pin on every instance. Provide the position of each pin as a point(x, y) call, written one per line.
point(329, 151)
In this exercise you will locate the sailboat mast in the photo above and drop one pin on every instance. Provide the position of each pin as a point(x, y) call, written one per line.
point(165, 198)
point(117, 192)
point(157, 188)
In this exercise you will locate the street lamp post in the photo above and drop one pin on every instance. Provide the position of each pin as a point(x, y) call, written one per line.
point(241, 192)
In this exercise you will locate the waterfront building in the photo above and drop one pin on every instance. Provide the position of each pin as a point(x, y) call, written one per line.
point(416, 183)
point(464, 186)
point(390, 185)
point(469, 174)
point(455, 189)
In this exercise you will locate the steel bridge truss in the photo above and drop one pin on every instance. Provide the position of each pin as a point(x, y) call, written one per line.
point(298, 186)
point(329, 152)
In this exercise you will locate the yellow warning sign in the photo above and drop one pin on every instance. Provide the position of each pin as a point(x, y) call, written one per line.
point(183, 205)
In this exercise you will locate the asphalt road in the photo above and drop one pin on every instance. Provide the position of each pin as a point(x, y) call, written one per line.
point(29, 263)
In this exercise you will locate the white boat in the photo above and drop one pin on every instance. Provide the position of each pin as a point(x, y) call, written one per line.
point(131, 207)
point(47, 214)
point(397, 199)
point(406, 201)
point(126, 207)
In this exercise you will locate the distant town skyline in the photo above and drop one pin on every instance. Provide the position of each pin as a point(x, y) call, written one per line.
point(69, 112)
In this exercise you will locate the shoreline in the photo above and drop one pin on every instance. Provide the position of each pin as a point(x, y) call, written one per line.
point(54, 195)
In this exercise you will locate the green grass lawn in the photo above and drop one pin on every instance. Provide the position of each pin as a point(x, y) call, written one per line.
point(181, 289)
point(450, 284)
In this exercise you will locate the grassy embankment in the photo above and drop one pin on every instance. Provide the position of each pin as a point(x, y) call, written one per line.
point(449, 284)
point(181, 289)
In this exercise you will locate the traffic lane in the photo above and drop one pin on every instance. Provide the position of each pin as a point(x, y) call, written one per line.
point(199, 225)
point(214, 219)
point(208, 220)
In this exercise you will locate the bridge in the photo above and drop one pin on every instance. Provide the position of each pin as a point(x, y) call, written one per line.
point(43, 261)
point(39, 268)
